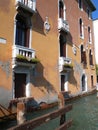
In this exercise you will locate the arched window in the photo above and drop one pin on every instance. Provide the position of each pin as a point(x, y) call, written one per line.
point(90, 57)
point(81, 28)
point(62, 46)
point(83, 55)
point(83, 82)
point(88, 13)
point(89, 34)
point(80, 4)
point(62, 10)
point(22, 31)
point(61, 6)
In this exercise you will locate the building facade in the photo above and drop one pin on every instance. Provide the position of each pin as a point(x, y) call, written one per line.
point(49, 48)
point(95, 26)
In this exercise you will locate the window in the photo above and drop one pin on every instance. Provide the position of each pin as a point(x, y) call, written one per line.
point(88, 13)
point(81, 28)
point(90, 57)
point(62, 46)
point(92, 81)
point(62, 10)
point(83, 55)
point(80, 4)
point(83, 83)
point(89, 35)
point(22, 31)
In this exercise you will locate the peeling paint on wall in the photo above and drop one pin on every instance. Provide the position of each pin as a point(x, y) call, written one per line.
point(6, 67)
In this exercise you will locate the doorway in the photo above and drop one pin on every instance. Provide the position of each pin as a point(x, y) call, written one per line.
point(92, 81)
point(20, 85)
point(64, 82)
point(83, 81)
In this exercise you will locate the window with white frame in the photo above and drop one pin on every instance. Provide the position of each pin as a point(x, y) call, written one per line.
point(80, 4)
point(22, 36)
point(81, 28)
point(90, 57)
point(89, 35)
point(62, 10)
point(83, 55)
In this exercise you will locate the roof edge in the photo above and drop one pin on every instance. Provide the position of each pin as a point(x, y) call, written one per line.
point(91, 5)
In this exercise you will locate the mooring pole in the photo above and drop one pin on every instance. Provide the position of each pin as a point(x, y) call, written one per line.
point(97, 89)
point(61, 104)
point(21, 113)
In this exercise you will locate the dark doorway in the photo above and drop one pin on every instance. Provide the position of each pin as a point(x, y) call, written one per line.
point(62, 82)
point(92, 81)
point(20, 85)
point(83, 82)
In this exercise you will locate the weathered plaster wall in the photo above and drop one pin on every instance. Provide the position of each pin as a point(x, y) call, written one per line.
point(7, 13)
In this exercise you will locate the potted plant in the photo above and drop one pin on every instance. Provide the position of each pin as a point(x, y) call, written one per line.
point(68, 65)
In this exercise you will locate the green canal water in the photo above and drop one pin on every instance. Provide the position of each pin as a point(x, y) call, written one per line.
point(84, 115)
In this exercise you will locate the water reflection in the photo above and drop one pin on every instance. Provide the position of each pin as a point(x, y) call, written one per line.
point(84, 115)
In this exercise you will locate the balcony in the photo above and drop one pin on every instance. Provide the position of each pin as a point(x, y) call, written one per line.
point(65, 64)
point(25, 52)
point(63, 25)
point(28, 5)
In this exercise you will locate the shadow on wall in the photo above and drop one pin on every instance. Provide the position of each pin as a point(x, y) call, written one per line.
point(39, 80)
point(38, 23)
point(70, 39)
point(72, 79)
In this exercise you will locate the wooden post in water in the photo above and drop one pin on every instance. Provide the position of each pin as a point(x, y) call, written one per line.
point(21, 113)
point(97, 89)
point(61, 104)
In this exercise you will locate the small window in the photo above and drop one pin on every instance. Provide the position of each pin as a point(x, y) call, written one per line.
point(88, 13)
point(90, 58)
point(89, 34)
point(92, 81)
point(62, 10)
point(81, 28)
point(80, 4)
point(83, 55)
point(61, 6)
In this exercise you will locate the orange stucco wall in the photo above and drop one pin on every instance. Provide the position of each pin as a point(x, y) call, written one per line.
point(45, 82)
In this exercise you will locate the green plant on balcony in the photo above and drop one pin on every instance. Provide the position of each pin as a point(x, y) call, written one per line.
point(68, 65)
point(34, 60)
point(22, 58)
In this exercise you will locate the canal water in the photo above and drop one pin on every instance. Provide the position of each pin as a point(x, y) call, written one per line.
point(84, 115)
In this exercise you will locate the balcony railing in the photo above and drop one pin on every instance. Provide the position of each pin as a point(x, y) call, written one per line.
point(29, 5)
point(63, 61)
point(63, 25)
point(23, 51)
